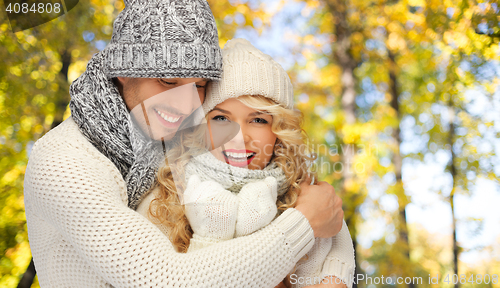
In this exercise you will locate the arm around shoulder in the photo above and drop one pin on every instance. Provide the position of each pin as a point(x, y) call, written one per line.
point(81, 195)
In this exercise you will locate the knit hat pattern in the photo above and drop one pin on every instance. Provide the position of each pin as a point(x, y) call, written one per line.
point(164, 39)
point(248, 71)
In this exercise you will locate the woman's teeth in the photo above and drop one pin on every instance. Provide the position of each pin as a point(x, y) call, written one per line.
point(167, 118)
point(238, 156)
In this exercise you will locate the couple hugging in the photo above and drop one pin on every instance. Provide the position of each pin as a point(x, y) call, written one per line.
point(181, 166)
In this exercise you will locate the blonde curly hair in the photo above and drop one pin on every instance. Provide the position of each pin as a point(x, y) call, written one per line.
point(290, 153)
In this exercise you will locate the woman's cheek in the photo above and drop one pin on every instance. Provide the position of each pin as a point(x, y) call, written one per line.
point(268, 148)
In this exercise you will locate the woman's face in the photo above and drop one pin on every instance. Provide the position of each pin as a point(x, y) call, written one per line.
point(253, 146)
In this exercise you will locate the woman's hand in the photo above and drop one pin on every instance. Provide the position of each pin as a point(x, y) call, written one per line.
point(210, 209)
point(257, 206)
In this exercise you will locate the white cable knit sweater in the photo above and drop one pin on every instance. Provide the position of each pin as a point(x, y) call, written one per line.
point(216, 215)
point(328, 257)
point(82, 234)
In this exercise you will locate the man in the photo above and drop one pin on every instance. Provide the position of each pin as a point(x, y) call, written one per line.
point(85, 177)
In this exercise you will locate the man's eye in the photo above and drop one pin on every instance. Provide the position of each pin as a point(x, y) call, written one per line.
point(167, 83)
point(201, 85)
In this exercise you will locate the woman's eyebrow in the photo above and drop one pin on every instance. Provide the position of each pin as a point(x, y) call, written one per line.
point(222, 110)
point(257, 113)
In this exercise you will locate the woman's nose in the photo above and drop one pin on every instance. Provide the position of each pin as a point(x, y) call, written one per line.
point(241, 138)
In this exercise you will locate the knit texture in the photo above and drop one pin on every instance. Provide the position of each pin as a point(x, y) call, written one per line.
point(164, 39)
point(211, 211)
point(248, 71)
point(82, 234)
point(232, 178)
point(252, 206)
point(215, 215)
point(340, 261)
point(328, 257)
point(102, 117)
point(151, 39)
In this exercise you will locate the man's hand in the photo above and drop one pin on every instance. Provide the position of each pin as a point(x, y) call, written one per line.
point(322, 207)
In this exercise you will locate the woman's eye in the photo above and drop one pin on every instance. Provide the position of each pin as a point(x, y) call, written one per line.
point(260, 120)
point(220, 118)
point(201, 86)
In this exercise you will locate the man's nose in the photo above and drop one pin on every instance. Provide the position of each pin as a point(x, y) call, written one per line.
point(187, 99)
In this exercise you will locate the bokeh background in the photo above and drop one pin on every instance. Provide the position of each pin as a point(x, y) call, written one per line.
point(401, 100)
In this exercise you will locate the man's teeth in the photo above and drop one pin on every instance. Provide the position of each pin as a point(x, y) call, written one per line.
point(167, 118)
point(238, 155)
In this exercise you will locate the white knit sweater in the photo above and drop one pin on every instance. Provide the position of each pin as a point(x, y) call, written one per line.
point(82, 234)
point(328, 257)
point(221, 215)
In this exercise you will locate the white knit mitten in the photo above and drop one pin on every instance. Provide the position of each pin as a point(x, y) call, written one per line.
point(211, 211)
point(257, 206)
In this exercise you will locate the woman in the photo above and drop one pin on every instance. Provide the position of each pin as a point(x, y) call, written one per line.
point(249, 178)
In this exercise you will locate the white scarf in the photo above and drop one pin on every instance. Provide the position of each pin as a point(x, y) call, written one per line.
point(232, 178)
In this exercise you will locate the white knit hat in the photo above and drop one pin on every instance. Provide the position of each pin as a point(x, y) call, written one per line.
point(248, 71)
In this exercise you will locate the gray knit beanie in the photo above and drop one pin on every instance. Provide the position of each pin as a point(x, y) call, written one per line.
point(164, 39)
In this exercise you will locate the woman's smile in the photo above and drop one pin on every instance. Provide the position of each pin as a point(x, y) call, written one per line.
point(240, 158)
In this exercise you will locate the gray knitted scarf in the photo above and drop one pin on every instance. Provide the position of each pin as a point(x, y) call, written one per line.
point(232, 178)
point(98, 109)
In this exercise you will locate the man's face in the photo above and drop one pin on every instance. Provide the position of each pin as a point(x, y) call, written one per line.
point(160, 105)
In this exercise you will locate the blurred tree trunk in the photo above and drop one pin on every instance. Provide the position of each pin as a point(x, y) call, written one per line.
point(62, 101)
point(453, 172)
point(28, 276)
point(342, 55)
point(397, 160)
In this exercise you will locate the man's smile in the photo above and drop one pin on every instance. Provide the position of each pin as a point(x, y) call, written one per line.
point(167, 117)
point(168, 120)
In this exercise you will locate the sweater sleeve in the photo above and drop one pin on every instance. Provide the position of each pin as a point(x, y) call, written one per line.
point(340, 260)
point(328, 257)
point(80, 193)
